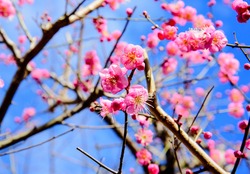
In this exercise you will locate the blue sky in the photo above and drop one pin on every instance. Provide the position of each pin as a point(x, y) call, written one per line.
point(65, 157)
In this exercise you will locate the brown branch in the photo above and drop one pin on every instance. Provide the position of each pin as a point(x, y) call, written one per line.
point(56, 121)
point(166, 119)
point(11, 45)
point(48, 32)
point(95, 160)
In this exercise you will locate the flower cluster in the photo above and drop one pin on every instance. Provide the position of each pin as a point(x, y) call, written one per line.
point(228, 68)
point(28, 113)
point(6, 8)
point(199, 39)
point(242, 8)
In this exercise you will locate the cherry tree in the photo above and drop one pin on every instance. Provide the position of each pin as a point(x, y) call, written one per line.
point(115, 86)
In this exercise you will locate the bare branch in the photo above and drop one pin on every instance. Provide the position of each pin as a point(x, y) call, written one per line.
point(123, 143)
point(39, 144)
point(95, 160)
point(11, 45)
point(58, 120)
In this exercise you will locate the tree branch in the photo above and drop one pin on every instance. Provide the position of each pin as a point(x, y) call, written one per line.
point(49, 32)
point(162, 116)
point(24, 135)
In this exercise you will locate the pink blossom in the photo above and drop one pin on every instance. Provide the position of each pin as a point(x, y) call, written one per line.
point(118, 104)
point(216, 155)
point(22, 2)
point(17, 119)
point(113, 79)
point(229, 156)
point(92, 64)
point(169, 66)
point(187, 102)
point(236, 96)
point(153, 169)
point(114, 4)
point(106, 107)
point(183, 41)
point(170, 32)
point(40, 74)
point(236, 109)
point(22, 39)
point(240, 6)
point(133, 57)
point(152, 40)
point(248, 144)
point(172, 48)
point(218, 23)
point(189, 13)
point(144, 136)
point(116, 34)
point(144, 157)
point(28, 113)
point(199, 91)
point(6, 8)
point(219, 41)
point(200, 21)
point(1, 83)
point(136, 99)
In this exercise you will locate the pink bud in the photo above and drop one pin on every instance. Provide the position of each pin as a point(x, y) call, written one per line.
point(248, 107)
point(160, 35)
point(129, 12)
point(188, 171)
point(238, 154)
point(207, 135)
point(247, 66)
point(194, 129)
point(145, 13)
point(243, 124)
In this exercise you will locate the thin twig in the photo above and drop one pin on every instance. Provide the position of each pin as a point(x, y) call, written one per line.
point(238, 46)
point(210, 90)
point(242, 147)
point(176, 157)
point(95, 160)
point(243, 51)
point(26, 148)
point(79, 5)
point(124, 143)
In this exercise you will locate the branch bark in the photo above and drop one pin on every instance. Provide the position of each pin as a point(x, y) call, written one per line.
point(167, 121)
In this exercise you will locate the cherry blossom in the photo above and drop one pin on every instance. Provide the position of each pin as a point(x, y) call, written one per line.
point(28, 113)
point(136, 99)
point(40, 74)
point(106, 107)
point(144, 136)
point(133, 57)
point(144, 157)
point(153, 169)
point(169, 66)
point(92, 64)
point(6, 8)
point(113, 79)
